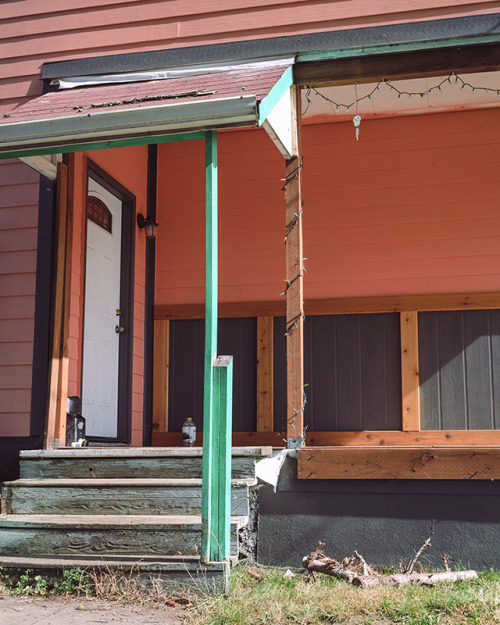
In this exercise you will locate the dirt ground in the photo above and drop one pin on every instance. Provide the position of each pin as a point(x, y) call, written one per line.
point(58, 611)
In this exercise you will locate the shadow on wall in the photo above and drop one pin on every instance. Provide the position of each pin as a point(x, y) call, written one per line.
point(383, 519)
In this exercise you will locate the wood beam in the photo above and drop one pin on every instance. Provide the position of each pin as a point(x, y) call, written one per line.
point(340, 306)
point(399, 303)
point(414, 463)
point(394, 438)
point(410, 384)
point(294, 289)
point(420, 64)
point(160, 374)
point(383, 439)
point(57, 376)
point(265, 378)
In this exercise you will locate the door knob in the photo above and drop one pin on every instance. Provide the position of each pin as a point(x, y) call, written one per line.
point(119, 329)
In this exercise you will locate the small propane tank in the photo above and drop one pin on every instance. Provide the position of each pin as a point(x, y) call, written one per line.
point(188, 432)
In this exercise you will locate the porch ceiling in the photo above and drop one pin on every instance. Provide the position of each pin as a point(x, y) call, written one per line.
point(428, 95)
point(244, 95)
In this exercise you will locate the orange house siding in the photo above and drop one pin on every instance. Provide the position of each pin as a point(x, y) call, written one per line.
point(32, 32)
point(412, 208)
point(128, 166)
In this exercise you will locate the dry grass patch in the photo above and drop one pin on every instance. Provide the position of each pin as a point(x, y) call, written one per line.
point(267, 597)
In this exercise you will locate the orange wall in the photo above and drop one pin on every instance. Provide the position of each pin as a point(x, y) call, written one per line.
point(35, 31)
point(18, 241)
point(128, 166)
point(411, 208)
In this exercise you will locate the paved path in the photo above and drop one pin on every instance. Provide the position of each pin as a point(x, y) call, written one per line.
point(57, 611)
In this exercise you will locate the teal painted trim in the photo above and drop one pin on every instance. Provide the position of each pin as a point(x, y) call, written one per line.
point(209, 428)
point(275, 95)
point(407, 46)
point(104, 145)
point(221, 459)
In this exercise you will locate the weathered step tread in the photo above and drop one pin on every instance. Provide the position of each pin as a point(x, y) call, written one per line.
point(95, 521)
point(118, 482)
point(147, 562)
point(138, 452)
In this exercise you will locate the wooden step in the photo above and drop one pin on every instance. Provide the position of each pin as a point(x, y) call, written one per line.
point(177, 570)
point(63, 534)
point(131, 462)
point(115, 496)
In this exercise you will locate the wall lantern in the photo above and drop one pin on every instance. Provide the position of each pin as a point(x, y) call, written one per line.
point(148, 224)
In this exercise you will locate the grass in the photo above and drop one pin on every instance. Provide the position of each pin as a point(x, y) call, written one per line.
point(266, 597)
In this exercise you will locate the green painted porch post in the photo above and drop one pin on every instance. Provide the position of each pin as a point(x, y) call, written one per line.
point(217, 397)
point(211, 270)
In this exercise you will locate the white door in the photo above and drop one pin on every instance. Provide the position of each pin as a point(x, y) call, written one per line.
point(101, 314)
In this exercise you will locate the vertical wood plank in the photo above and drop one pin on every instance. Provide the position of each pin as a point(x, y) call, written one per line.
point(409, 371)
point(294, 282)
point(265, 377)
point(52, 428)
point(221, 484)
point(160, 374)
point(62, 393)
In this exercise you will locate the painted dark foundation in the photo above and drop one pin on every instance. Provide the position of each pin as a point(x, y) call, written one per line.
point(384, 520)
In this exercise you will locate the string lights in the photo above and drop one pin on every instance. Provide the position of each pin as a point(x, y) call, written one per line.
point(452, 79)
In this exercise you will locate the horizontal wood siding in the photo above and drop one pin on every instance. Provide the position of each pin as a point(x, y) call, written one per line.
point(18, 242)
point(237, 338)
point(460, 370)
point(352, 373)
point(410, 208)
point(32, 33)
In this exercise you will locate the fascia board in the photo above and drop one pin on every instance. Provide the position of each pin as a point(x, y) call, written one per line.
point(274, 96)
point(151, 120)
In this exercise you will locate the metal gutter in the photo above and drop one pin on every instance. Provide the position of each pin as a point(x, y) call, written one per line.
point(124, 124)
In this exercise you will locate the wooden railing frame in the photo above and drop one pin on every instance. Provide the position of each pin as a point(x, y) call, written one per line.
point(410, 434)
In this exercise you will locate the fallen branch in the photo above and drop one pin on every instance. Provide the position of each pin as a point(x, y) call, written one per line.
point(356, 571)
point(418, 579)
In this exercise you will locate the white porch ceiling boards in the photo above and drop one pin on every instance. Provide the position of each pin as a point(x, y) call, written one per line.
point(385, 102)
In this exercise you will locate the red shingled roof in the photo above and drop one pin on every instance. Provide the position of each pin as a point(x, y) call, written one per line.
point(236, 82)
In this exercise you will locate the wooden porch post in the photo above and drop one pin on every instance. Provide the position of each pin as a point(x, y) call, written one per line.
point(55, 433)
point(217, 397)
point(294, 290)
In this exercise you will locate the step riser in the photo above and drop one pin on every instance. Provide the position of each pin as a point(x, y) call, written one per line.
point(126, 468)
point(74, 500)
point(123, 541)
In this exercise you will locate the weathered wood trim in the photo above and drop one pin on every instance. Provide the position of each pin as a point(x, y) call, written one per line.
point(381, 438)
point(239, 439)
point(265, 377)
point(418, 64)
point(414, 463)
point(231, 310)
point(410, 384)
point(56, 375)
point(341, 306)
point(160, 374)
point(294, 284)
point(392, 438)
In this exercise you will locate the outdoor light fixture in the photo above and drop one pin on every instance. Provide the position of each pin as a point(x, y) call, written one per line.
point(148, 224)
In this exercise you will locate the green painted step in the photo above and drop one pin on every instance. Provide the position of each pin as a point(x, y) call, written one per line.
point(53, 535)
point(115, 496)
point(178, 570)
point(131, 462)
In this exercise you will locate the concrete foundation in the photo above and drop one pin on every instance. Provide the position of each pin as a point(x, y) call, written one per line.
point(385, 520)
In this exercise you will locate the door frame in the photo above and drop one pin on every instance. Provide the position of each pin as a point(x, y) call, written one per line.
point(127, 272)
